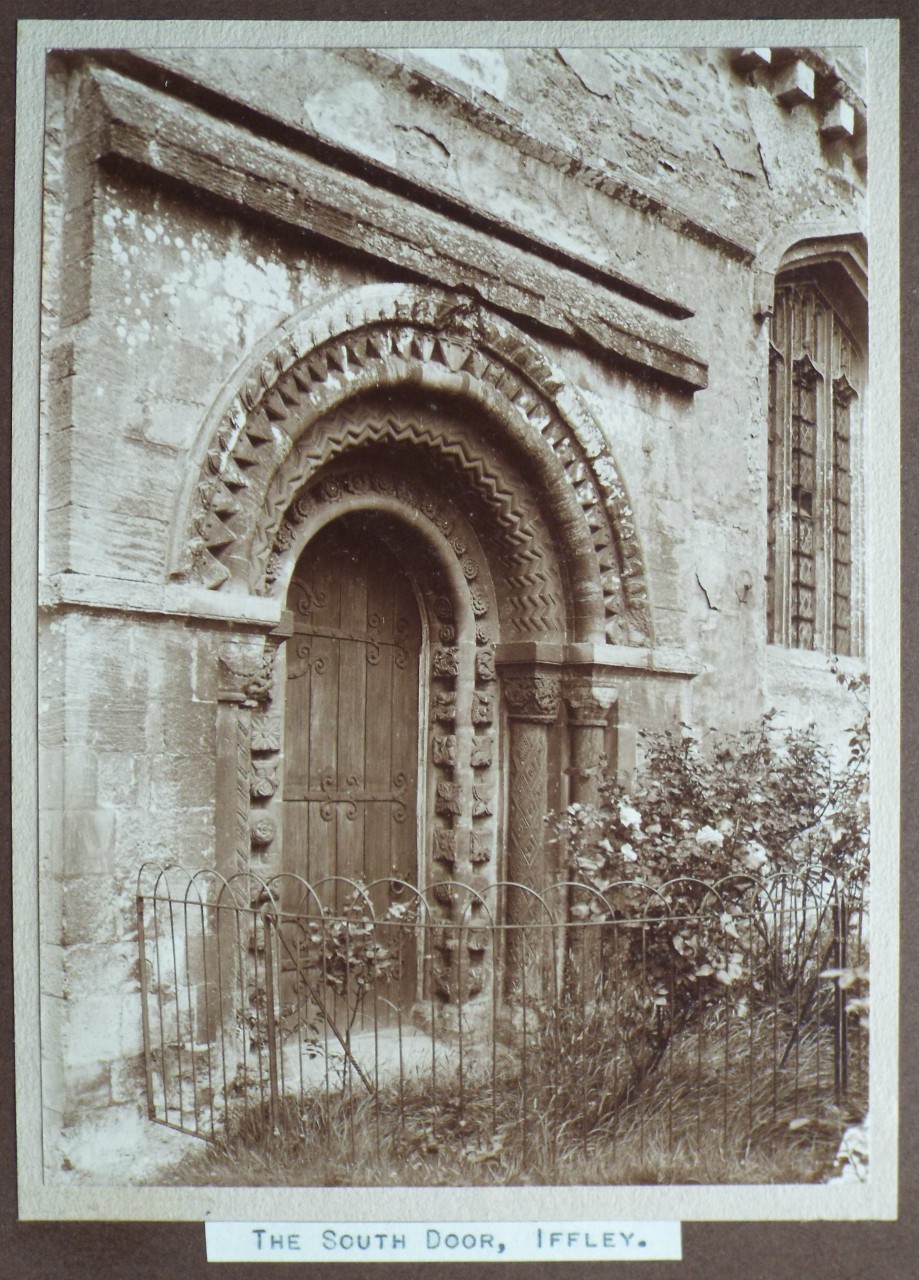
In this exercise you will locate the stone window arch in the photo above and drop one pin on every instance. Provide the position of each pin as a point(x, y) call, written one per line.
point(816, 412)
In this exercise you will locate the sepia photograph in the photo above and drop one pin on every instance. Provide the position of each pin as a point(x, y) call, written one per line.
point(461, 546)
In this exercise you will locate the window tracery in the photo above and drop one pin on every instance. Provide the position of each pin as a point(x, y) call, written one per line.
point(814, 582)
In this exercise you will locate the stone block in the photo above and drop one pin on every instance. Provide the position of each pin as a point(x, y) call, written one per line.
point(52, 968)
point(79, 779)
point(58, 557)
point(116, 724)
point(53, 1014)
point(166, 836)
point(171, 423)
point(116, 544)
point(127, 476)
point(131, 1041)
point(93, 1033)
point(51, 637)
point(88, 1090)
point(838, 121)
point(89, 842)
point(794, 84)
point(120, 779)
point(744, 60)
point(50, 777)
point(50, 902)
point(51, 841)
point(94, 969)
point(88, 911)
point(190, 729)
point(53, 1125)
point(53, 1084)
point(182, 782)
point(52, 729)
point(171, 652)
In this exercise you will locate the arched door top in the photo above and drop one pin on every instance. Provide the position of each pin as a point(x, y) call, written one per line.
point(382, 339)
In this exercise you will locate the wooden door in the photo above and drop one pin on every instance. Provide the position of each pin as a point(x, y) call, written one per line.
point(351, 721)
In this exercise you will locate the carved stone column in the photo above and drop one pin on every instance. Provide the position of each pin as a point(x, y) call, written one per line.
point(532, 698)
point(588, 717)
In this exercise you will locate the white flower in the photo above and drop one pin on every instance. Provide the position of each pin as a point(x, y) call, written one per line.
point(708, 835)
point(732, 971)
point(726, 826)
point(628, 816)
point(628, 853)
point(756, 856)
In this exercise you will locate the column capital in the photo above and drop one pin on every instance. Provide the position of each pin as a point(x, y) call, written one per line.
point(588, 700)
point(532, 694)
point(246, 670)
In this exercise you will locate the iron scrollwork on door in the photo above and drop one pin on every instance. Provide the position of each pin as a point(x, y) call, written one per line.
point(300, 660)
point(329, 797)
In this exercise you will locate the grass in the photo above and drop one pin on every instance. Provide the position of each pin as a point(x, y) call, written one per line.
point(717, 1108)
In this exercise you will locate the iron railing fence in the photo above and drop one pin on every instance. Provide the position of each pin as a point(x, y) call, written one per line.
point(557, 1020)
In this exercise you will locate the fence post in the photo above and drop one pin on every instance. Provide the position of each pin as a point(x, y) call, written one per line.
point(145, 1012)
point(272, 1025)
point(841, 951)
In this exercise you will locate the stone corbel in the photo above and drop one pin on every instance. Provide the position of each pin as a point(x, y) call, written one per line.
point(247, 670)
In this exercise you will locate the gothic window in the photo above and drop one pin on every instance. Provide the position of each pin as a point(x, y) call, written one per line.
point(816, 391)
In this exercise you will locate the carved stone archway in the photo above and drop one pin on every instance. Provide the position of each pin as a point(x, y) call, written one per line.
point(414, 405)
point(380, 338)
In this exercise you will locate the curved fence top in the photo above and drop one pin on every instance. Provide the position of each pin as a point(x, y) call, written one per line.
point(389, 899)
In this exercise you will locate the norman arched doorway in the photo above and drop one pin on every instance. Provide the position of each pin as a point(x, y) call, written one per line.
point(458, 456)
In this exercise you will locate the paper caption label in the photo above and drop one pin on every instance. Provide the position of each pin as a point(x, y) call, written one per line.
point(441, 1241)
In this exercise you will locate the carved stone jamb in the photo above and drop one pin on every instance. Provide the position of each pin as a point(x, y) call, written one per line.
point(532, 696)
point(246, 668)
point(588, 705)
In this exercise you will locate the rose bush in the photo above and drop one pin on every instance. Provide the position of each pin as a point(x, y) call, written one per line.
point(698, 845)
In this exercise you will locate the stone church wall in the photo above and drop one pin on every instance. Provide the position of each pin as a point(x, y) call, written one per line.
point(673, 170)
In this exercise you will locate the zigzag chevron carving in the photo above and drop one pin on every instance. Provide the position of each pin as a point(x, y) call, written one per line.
point(381, 337)
point(535, 596)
